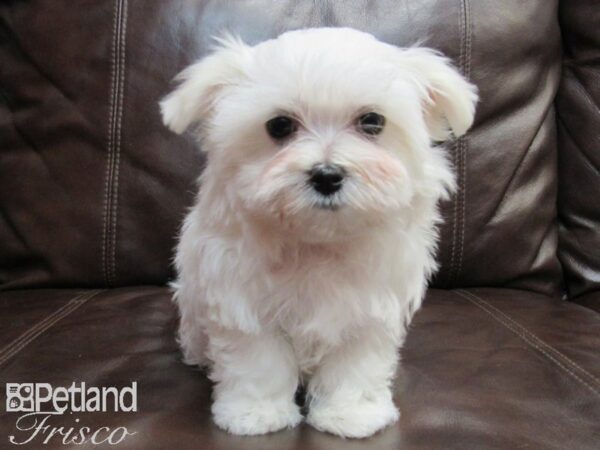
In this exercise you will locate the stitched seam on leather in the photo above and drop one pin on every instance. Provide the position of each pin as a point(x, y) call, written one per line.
point(109, 231)
point(557, 353)
point(41, 324)
point(110, 152)
point(464, 141)
point(11, 349)
point(550, 352)
point(121, 90)
point(457, 159)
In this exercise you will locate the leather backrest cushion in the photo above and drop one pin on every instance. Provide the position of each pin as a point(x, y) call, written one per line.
point(578, 104)
point(93, 188)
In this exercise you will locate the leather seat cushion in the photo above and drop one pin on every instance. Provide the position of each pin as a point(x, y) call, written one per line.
point(482, 368)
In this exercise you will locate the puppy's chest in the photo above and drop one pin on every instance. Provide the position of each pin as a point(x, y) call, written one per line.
point(308, 261)
point(318, 295)
point(310, 281)
point(317, 298)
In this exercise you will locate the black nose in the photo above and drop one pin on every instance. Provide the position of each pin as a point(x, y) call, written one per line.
point(326, 178)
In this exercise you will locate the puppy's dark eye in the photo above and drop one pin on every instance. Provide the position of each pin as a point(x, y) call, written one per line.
point(281, 127)
point(371, 123)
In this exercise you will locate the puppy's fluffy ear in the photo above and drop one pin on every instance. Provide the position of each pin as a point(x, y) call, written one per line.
point(448, 98)
point(201, 82)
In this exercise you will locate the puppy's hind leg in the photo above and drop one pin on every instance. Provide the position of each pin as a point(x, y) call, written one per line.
point(193, 342)
point(191, 335)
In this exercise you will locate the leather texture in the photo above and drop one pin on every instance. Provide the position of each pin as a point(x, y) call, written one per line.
point(481, 369)
point(92, 185)
point(578, 105)
point(93, 188)
point(103, 186)
point(591, 301)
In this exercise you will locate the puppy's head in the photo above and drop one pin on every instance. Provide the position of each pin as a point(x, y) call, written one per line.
point(323, 133)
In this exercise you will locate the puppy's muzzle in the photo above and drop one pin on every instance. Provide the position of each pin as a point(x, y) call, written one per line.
point(326, 179)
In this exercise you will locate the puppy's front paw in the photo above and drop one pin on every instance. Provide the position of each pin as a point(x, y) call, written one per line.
point(353, 419)
point(246, 417)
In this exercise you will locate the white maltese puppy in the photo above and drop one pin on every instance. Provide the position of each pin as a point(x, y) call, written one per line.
point(312, 238)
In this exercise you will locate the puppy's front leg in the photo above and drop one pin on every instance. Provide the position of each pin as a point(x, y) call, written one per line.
point(350, 393)
point(256, 378)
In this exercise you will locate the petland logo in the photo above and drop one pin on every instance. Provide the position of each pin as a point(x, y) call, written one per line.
point(41, 401)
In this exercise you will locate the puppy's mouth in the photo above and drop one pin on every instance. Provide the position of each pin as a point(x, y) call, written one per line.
point(330, 203)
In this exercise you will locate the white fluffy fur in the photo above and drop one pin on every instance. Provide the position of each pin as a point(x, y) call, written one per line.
point(273, 289)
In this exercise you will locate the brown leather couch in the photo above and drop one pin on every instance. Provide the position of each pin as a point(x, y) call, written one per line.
point(506, 350)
